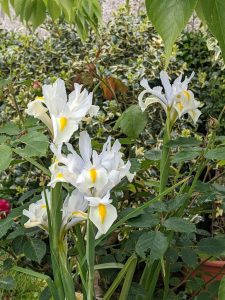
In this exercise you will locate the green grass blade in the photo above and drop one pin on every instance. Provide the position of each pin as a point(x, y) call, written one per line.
point(130, 265)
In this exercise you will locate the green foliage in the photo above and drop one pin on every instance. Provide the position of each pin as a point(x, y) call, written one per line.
point(132, 121)
point(212, 13)
point(36, 144)
point(212, 246)
point(221, 293)
point(5, 224)
point(5, 157)
point(84, 14)
point(169, 18)
point(155, 242)
point(216, 154)
point(7, 283)
point(179, 225)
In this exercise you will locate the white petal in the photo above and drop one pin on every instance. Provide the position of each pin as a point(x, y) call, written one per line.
point(155, 92)
point(36, 108)
point(30, 224)
point(79, 102)
point(166, 84)
point(85, 146)
point(96, 178)
point(194, 114)
point(55, 96)
point(62, 134)
point(74, 208)
point(103, 223)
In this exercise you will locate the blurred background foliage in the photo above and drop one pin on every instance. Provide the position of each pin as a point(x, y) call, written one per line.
point(112, 64)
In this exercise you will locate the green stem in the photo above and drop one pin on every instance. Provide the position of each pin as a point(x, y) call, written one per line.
point(66, 275)
point(82, 264)
point(166, 281)
point(56, 219)
point(165, 160)
point(90, 254)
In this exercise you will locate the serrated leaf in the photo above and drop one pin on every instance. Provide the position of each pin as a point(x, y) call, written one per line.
point(217, 154)
point(212, 13)
point(18, 244)
point(183, 141)
point(34, 249)
point(5, 157)
point(179, 225)
point(184, 156)
point(5, 225)
point(176, 203)
point(132, 121)
point(155, 242)
point(154, 154)
point(189, 257)
point(144, 221)
point(3, 139)
point(212, 246)
point(169, 18)
point(36, 144)
point(10, 129)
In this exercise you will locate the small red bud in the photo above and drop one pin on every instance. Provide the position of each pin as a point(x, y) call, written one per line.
point(5, 208)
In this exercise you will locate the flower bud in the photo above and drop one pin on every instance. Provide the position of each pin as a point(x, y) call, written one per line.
point(5, 208)
point(213, 123)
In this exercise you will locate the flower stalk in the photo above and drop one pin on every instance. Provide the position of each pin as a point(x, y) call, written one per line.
point(90, 254)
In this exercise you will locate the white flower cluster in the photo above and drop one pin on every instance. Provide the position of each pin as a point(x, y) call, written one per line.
point(93, 175)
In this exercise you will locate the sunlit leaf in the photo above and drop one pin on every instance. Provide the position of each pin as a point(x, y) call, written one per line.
point(169, 18)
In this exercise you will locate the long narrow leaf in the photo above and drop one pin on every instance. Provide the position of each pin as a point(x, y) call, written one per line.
point(128, 268)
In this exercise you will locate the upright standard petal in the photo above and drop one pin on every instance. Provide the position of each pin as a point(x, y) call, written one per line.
point(167, 86)
point(55, 96)
point(85, 146)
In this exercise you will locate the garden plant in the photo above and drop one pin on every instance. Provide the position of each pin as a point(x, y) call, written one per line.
point(112, 151)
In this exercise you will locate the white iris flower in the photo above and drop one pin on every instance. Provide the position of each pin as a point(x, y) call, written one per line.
point(91, 172)
point(64, 112)
point(37, 212)
point(176, 100)
point(94, 175)
point(74, 208)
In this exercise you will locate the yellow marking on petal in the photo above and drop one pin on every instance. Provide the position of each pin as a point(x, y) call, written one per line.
point(62, 123)
point(79, 214)
point(43, 206)
point(187, 94)
point(93, 174)
point(59, 175)
point(40, 98)
point(180, 106)
point(178, 96)
point(102, 212)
